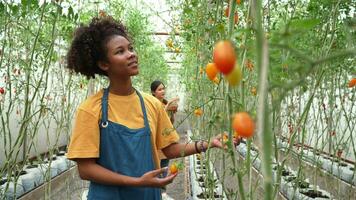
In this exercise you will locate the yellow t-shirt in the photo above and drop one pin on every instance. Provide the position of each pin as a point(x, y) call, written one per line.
point(125, 110)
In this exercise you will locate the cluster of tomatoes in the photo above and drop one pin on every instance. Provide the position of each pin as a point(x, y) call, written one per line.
point(224, 58)
point(225, 62)
point(236, 15)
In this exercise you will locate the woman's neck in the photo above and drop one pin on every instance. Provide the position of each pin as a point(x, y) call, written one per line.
point(121, 87)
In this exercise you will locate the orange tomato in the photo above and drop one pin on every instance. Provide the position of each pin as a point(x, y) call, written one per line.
point(225, 138)
point(352, 83)
point(254, 91)
point(173, 168)
point(236, 18)
point(234, 78)
point(224, 56)
point(198, 112)
point(227, 11)
point(243, 124)
point(249, 65)
point(238, 2)
point(211, 70)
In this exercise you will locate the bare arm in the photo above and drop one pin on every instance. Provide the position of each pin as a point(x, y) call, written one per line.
point(90, 170)
point(176, 150)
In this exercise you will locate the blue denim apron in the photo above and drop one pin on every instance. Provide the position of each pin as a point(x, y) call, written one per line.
point(127, 152)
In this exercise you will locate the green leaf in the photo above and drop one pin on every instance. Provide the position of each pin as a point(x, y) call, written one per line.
point(304, 24)
point(2, 8)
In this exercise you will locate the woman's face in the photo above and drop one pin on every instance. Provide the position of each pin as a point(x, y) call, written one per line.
point(159, 92)
point(122, 60)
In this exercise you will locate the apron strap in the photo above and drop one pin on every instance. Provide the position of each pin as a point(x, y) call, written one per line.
point(104, 109)
point(143, 109)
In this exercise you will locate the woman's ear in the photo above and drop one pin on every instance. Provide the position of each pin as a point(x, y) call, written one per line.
point(103, 65)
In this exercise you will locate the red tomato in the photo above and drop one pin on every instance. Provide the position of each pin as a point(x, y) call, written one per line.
point(2, 90)
point(224, 56)
point(243, 124)
point(352, 83)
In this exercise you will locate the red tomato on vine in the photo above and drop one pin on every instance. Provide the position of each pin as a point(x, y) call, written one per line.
point(2, 90)
point(352, 82)
point(224, 56)
point(236, 18)
point(243, 124)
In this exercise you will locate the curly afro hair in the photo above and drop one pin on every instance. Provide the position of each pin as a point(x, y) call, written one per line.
point(89, 45)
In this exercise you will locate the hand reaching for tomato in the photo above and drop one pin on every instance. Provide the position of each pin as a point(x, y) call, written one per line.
point(152, 179)
point(220, 141)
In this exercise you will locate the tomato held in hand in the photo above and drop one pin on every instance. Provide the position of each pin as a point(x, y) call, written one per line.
point(173, 168)
point(211, 71)
point(243, 124)
point(234, 78)
point(224, 56)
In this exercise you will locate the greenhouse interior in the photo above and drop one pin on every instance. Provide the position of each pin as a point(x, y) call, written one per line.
point(213, 99)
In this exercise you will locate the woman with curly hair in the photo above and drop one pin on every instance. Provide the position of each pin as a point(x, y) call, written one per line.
point(118, 131)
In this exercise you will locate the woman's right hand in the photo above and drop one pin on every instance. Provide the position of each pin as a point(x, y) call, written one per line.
point(152, 179)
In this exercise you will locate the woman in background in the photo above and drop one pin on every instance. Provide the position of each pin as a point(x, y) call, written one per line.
point(158, 91)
